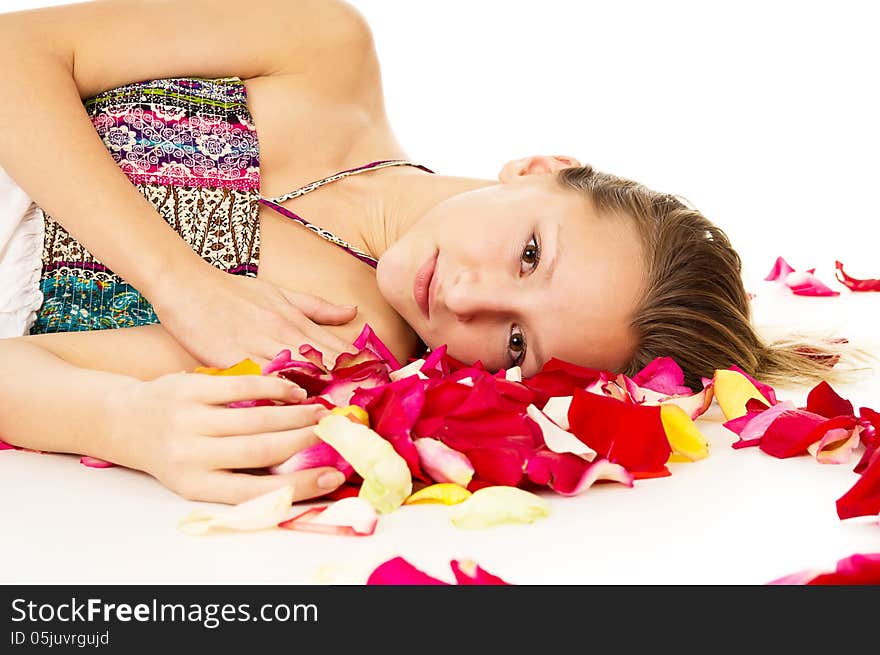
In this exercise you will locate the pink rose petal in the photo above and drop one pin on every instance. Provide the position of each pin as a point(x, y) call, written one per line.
point(664, 376)
point(398, 571)
point(836, 446)
point(321, 454)
point(442, 463)
point(780, 269)
point(468, 572)
point(350, 516)
point(806, 284)
point(94, 462)
point(569, 475)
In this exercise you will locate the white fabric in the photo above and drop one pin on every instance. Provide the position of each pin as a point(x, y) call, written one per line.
point(21, 247)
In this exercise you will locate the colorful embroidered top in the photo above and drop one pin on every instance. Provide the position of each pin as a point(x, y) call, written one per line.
point(189, 145)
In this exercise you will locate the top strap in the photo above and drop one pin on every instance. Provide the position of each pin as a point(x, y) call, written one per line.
point(342, 174)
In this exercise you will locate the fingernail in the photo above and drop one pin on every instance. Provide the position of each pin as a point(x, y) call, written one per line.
point(322, 412)
point(330, 480)
point(297, 392)
point(350, 307)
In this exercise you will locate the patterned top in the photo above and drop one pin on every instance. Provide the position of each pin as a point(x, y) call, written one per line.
point(189, 145)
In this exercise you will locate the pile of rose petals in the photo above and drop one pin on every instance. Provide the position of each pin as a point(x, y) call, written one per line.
point(564, 428)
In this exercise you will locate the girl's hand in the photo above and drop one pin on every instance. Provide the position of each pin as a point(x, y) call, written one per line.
point(178, 429)
point(222, 319)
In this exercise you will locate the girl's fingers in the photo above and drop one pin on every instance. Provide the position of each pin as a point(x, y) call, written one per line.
point(320, 310)
point(235, 488)
point(224, 389)
point(241, 421)
point(259, 450)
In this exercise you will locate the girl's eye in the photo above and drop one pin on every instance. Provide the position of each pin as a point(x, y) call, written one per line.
point(530, 256)
point(516, 345)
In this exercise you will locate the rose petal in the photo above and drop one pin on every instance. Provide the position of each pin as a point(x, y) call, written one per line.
point(664, 376)
point(398, 571)
point(780, 269)
point(824, 400)
point(264, 511)
point(94, 462)
point(855, 284)
point(350, 516)
point(753, 425)
point(513, 374)
point(556, 410)
point(6, 446)
point(863, 499)
point(803, 283)
point(499, 465)
point(321, 454)
point(569, 475)
point(684, 437)
point(799, 578)
point(444, 493)
point(732, 390)
point(836, 446)
point(468, 572)
point(413, 368)
point(792, 432)
point(387, 479)
point(244, 367)
point(368, 340)
point(443, 463)
point(626, 434)
point(857, 569)
point(492, 506)
point(557, 439)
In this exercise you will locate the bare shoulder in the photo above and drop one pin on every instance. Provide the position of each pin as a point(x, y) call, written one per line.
point(144, 352)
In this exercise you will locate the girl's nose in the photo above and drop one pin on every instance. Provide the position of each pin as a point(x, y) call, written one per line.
point(473, 294)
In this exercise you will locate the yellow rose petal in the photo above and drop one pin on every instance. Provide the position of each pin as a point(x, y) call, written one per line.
point(732, 391)
point(491, 506)
point(355, 413)
point(387, 480)
point(446, 493)
point(244, 367)
point(684, 438)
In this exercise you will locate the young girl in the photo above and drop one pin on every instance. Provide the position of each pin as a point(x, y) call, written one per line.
point(184, 165)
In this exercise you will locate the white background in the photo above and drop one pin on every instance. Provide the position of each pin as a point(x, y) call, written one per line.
point(763, 114)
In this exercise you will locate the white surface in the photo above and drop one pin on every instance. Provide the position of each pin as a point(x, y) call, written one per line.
point(763, 115)
point(738, 517)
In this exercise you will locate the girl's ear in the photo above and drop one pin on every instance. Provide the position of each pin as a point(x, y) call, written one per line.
point(535, 165)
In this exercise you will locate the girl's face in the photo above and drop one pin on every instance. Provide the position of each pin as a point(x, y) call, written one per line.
point(516, 273)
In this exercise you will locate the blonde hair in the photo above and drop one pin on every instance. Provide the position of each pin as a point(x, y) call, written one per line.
point(695, 308)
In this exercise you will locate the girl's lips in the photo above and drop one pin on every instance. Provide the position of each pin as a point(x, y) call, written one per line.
point(422, 284)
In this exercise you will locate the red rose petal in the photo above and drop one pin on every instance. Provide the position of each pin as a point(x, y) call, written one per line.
point(855, 284)
point(626, 434)
point(863, 499)
point(823, 400)
point(858, 569)
point(793, 431)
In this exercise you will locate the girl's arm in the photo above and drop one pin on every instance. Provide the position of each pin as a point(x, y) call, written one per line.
point(54, 57)
point(97, 393)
